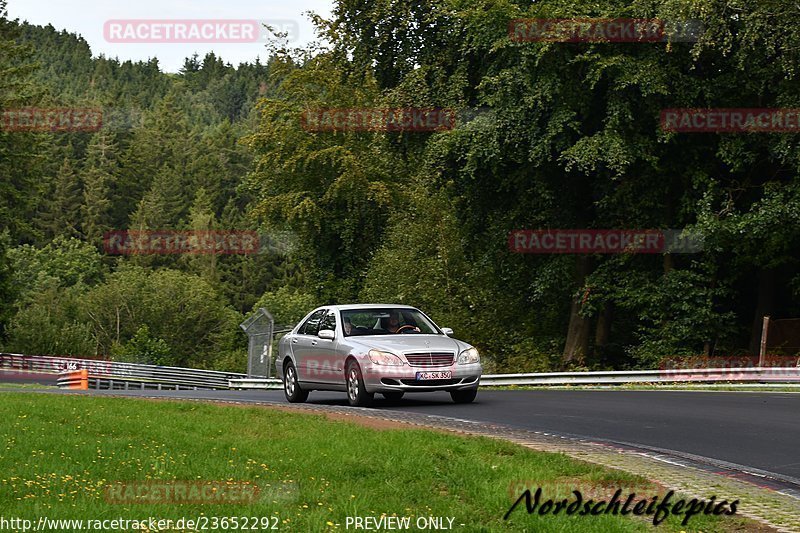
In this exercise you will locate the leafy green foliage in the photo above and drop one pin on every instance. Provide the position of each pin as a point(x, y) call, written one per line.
point(63, 262)
point(286, 305)
point(143, 348)
point(182, 309)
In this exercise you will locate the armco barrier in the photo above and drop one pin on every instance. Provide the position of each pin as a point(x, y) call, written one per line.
point(256, 383)
point(772, 375)
point(682, 375)
point(74, 379)
point(117, 375)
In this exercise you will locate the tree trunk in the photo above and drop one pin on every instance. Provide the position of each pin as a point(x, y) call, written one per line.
point(764, 306)
point(669, 263)
point(577, 345)
point(603, 332)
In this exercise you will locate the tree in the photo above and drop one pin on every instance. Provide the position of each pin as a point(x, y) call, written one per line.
point(8, 293)
point(99, 176)
point(63, 210)
point(63, 262)
point(182, 309)
point(142, 348)
point(19, 167)
point(334, 191)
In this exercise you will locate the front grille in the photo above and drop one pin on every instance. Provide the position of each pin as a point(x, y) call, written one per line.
point(430, 382)
point(430, 359)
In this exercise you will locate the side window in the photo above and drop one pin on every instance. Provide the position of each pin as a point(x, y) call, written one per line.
point(329, 322)
point(311, 327)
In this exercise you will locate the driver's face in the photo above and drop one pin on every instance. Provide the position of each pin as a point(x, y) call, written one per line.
point(394, 319)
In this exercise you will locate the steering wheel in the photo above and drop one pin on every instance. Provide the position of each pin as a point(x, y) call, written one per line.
point(406, 326)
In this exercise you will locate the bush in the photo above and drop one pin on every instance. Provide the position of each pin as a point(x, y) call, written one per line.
point(144, 349)
point(286, 305)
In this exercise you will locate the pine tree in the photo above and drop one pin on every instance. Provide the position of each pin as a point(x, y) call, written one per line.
point(164, 205)
point(99, 175)
point(63, 210)
point(8, 292)
point(19, 168)
point(202, 220)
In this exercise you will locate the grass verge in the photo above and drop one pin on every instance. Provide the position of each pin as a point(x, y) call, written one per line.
point(60, 453)
point(25, 386)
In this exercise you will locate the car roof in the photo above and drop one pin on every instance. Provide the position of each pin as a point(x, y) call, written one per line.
point(365, 306)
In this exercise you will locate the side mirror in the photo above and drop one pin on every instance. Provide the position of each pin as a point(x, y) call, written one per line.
point(447, 331)
point(326, 334)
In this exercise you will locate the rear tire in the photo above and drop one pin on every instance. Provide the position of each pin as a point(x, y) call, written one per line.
point(393, 396)
point(357, 393)
point(291, 385)
point(463, 396)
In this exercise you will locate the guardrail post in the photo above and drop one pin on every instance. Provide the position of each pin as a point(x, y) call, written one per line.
point(763, 348)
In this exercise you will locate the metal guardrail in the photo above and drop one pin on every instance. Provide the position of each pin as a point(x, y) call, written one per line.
point(74, 379)
point(682, 375)
point(772, 375)
point(256, 383)
point(118, 375)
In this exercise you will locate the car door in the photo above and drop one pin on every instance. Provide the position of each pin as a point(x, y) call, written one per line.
point(330, 368)
point(304, 343)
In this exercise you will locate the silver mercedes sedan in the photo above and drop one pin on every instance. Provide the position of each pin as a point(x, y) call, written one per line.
point(363, 349)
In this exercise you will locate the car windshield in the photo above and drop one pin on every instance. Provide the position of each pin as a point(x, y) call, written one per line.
point(386, 321)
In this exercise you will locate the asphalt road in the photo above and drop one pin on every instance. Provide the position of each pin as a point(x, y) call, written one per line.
point(756, 430)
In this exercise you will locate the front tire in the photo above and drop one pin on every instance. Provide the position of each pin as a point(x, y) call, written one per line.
point(357, 393)
point(463, 396)
point(291, 386)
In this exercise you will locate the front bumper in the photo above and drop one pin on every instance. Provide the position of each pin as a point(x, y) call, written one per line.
point(380, 378)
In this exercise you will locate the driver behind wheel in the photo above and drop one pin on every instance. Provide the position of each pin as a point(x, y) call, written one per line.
point(393, 324)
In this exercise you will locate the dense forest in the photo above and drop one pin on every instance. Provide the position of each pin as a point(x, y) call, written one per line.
point(558, 135)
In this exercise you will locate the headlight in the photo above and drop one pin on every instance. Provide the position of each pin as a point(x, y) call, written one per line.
point(384, 358)
point(469, 356)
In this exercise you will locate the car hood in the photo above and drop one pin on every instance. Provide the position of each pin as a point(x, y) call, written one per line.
point(411, 343)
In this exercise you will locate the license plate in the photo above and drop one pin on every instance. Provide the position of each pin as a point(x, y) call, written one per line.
point(422, 376)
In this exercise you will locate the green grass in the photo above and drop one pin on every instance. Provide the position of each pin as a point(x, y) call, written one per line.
point(25, 386)
point(58, 453)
